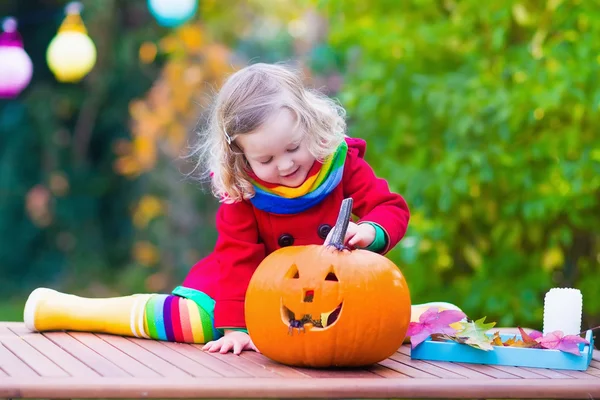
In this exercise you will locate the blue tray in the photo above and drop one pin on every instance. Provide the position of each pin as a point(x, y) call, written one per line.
point(513, 356)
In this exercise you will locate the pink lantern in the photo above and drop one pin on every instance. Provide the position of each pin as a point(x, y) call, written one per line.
point(15, 65)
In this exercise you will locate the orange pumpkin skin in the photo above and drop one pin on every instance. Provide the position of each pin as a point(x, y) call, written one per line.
point(371, 324)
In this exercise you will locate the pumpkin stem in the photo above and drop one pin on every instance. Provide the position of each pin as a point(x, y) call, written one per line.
point(341, 225)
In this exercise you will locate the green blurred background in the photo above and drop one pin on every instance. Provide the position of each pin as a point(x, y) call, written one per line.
point(483, 115)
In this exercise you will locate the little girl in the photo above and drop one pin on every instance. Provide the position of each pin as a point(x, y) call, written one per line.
point(280, 164)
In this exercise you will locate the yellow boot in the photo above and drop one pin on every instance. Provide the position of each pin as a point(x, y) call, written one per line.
point(49, 310)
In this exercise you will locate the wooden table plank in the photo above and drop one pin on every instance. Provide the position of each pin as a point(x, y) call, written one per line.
point(489, 370)
point(86, 355)
point(332, 373)
point(197, 374)
point(67, 362)
point(114, 355)
point(593, 371)
point(577, 374)
point(189, 366)
point(145, 357)
point(520, 372)
point(548, 373)
point(450, 366)
point(201, 357)
point(294, 388)
point(387, 370)
point(425, 367)
point(29, 355)
point(13, 365)
point(407, 370)
point(245, 365)
point(275, 367)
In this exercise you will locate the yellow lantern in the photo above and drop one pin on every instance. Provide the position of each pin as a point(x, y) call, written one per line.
point(71, 53)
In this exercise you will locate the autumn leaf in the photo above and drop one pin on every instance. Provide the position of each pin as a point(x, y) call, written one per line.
point(442, 337)
point(531, 336)
point(497, 340)
point(527, 340)
point(432, 321)
point(510, 342)
point(558, 341)
point(475, 332)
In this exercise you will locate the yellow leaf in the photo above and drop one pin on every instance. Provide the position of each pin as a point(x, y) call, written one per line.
point(127, 166)
point(169, 44)
point(472, 256)
point(147, 52)
point(425, 245)
point(444, 262)
point(521, 15)
point(497, 340)
point(465, 211)
point(145, 151)
point(552, 258)
point(475, 190)
point(145, 253)
point(148, 208)
point(191, 36)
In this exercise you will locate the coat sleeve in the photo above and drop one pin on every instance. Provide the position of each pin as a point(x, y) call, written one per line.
point(373, 201)
point(239, 250)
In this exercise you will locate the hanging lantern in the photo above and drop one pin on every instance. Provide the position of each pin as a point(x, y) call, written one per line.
point(71, 53)
point(15, 65)
point(172, 13)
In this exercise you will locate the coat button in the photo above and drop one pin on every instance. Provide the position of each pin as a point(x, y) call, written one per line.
point(286, 240)
point(323, 231)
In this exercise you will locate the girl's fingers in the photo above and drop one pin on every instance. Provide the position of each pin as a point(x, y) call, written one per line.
point(208, 345)
point(226, 347)
point(237, 348)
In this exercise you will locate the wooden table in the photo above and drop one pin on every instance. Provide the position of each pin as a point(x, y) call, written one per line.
point(82, 365)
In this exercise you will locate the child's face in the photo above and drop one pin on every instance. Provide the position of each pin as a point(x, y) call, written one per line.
point(276, 150)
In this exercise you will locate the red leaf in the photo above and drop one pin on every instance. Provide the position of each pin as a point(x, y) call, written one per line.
point(556, 340)
point(432, 321)
point(531, 337)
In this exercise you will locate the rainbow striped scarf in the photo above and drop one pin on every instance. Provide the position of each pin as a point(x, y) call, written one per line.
point(321, 180)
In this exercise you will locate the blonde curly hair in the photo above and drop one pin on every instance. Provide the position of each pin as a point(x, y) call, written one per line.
point(246, 100)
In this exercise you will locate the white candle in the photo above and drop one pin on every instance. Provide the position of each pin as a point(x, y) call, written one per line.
point(562, 311)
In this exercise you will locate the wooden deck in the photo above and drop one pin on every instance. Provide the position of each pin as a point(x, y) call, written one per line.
point(82, 365)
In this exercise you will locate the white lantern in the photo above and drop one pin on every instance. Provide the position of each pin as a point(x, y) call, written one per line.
point(71, 53)
point(15, 65)
point(172, 13)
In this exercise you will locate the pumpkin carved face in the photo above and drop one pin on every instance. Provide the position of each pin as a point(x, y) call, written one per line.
point(319, 306)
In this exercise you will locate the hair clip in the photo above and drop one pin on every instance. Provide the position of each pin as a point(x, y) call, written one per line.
point(227, 137)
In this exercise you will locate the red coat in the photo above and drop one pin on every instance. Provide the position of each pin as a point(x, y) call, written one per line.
point(247, 235)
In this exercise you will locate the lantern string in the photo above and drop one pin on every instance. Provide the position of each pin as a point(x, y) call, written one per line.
point(74, 7)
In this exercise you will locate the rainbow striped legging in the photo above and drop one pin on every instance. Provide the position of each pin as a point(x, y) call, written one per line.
point(185, 316)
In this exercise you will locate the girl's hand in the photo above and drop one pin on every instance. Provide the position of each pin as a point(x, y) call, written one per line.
point(235, 341)
point(360, 236)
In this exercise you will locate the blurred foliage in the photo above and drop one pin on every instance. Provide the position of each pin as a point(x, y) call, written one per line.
point(485, 116)
point(63, 210)
point(94, 197)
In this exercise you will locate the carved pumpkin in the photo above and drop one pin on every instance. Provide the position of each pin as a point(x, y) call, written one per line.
point(320, 306)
